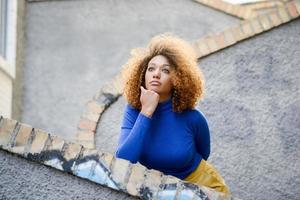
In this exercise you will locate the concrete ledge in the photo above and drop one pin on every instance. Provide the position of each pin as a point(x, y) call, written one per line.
point(99, 167)
point(247, 29)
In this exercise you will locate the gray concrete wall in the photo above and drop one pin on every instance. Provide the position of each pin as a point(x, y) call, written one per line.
point(252, 105)
point(74, 47)
point(23, 179)
point(252, 92)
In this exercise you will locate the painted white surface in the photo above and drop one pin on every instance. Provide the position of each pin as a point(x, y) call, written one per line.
point(5, 94)
point(10, 52)
point(8, 63)
point(242, 1)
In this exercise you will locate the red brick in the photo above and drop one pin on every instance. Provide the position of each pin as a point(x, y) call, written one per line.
point(222, 5)
point(297, 4)
point(257, 27)
point(220, 40)
point(230, 9)
point(39, 141)
point(237, 33)
point(88, 144)
point(275, 19)
point(136, 179)
point(72, 151)
point(87, 125)
point(226, 7)
point(95, 107)
point(229, 39)
point(22, 139)
point(121, 171)
point(292, 9)
point(248, 14)
point(85, 135)
point(217, 4)
point(212, 45)
point(197, 50)
point(202, 47)
point(264, 20)
point(241, 12)
point(56, 143)
point(153, 180)
point(91, 116)
point(107, 159)
point(6, 131)
point(235, 10)
point(247, 28)
point(283, 14)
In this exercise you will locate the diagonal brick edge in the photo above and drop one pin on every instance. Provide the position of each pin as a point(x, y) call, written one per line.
point(247, 29)
point(94, 165)
point(94, 109)
point(231, 9)
point(264, 5)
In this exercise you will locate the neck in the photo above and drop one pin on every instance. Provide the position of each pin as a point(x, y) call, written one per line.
point(164, 98)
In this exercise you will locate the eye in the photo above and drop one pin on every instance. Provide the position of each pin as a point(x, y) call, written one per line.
point(166, 70)
point(150, 69)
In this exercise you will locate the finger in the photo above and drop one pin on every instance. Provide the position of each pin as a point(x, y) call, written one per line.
point(142, 88)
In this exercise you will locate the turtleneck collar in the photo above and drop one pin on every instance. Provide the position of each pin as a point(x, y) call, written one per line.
point(164, 106)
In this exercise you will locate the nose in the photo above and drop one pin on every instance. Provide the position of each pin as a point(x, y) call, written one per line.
point(156, 73)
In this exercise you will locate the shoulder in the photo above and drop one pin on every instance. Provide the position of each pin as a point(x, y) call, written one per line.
point(129, 110)
point(130, 114)
point(194, 113)
point(195, 117)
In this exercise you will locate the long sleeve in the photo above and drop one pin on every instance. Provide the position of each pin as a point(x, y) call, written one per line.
point(134, 128)
point(202, 135)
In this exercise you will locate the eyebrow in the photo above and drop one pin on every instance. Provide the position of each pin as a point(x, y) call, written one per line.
point(162, 65)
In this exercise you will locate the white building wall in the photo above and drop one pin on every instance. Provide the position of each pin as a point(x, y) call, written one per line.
point(6, 83)
point(8, 61)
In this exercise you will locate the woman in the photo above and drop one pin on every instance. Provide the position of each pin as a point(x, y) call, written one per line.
point(161, 128)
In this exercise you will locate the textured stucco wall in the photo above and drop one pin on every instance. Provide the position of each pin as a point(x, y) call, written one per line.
point(23, 179)
point(73, 47)
point(252, 91)
point(252, 105)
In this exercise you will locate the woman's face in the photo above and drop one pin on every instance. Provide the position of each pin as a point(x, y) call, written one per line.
point(158, 77)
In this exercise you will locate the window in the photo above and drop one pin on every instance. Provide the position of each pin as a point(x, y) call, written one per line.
point(3, 21)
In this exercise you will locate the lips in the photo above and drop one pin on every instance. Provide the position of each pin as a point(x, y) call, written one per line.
point(155, 83)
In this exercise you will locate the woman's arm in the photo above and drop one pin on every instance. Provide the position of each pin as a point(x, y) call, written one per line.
point(133, 131)
point(202, 135)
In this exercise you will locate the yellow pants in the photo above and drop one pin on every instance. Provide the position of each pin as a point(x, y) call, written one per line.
point(206, 175)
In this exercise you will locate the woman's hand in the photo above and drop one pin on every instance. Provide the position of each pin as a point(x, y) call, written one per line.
point(149, 100)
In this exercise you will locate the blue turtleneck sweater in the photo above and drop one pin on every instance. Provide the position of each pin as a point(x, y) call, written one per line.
point(173, 143)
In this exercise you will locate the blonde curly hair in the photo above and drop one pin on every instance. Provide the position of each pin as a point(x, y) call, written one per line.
point(188, 80)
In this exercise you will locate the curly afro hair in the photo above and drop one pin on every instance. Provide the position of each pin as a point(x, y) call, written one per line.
point(187, 80)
